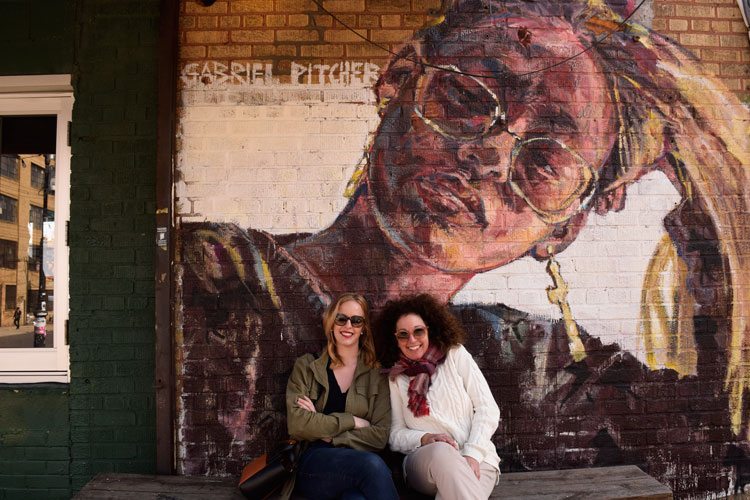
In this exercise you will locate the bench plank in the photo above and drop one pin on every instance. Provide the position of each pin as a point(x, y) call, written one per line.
point(148, 487)
point(626, 481)
point(619, 482)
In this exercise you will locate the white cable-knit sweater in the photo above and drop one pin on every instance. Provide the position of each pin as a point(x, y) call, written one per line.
point(461, 404)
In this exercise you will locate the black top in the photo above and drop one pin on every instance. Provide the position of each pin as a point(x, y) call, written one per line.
point(336, 402)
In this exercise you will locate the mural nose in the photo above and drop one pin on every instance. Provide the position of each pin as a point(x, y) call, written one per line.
point(482, 160)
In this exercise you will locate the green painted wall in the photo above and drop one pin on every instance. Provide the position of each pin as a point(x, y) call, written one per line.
point(34, 442)
point(36, 37)
point(112, 415)
point(105, 419)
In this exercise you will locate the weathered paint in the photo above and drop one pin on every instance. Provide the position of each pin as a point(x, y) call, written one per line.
point(647, 226)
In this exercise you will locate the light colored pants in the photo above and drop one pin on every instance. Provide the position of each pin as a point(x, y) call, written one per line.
point(439, 469)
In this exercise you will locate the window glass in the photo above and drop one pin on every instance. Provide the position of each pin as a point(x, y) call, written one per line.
point(8, 209)
point(9, 166)
point(33, 209)
point(10, 297)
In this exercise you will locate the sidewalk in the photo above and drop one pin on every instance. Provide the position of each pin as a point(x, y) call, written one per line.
point(23, 337)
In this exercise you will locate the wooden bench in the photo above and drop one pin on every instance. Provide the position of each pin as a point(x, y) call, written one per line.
point(627, 481)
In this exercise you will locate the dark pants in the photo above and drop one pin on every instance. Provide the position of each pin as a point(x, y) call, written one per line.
point(327, 472)
point(17, 322)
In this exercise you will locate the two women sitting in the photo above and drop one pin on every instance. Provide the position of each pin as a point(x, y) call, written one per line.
point(435, 401)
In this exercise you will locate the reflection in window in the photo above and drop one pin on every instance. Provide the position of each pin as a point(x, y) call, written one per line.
point(35, 258)
point(9, 166)
point(8, 254)
point(8, 208)
point(35, 216)
point(37, 176)
point(10, 296)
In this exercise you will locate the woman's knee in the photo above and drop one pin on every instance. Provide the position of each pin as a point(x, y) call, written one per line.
point(439, 457)
point(373, 464)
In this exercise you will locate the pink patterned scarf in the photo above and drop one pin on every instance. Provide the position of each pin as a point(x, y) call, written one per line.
point(420, 372)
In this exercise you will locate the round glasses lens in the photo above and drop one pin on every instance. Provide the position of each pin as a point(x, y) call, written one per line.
point(549, 175)
point(458, 105)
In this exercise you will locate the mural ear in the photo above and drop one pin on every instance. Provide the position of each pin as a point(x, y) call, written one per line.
point(562, 236)
point(613, 200)
point(398, 71)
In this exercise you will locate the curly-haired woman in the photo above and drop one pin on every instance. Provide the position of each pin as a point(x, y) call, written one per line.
point(443, 414)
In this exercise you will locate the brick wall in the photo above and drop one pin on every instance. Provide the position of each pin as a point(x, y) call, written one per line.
point(111, 239)
point(278, 210)
point(34, 442)
point(715, 33)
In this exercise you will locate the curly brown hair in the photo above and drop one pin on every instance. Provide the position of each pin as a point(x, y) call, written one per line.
point(444, 329)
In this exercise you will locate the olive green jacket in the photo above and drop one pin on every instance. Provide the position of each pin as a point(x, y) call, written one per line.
point(367, 398)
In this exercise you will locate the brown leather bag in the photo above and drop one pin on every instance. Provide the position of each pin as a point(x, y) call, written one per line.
point(265, 476)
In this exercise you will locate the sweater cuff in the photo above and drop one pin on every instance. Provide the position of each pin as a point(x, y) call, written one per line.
point(473, 451)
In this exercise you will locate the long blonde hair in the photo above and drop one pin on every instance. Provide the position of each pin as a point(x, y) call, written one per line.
point(366, 344)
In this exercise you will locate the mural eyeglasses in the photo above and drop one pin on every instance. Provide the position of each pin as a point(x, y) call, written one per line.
point(548, 175)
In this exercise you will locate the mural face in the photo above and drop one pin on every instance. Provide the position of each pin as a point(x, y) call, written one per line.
point(579, 209)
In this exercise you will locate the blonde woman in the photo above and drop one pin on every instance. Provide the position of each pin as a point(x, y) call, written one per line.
point(338, 403)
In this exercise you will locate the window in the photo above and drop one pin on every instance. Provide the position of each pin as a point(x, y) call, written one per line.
point(35, 258)
point(10, 297)
point(8, 254)
point(9, 166)
point(8, 209)
point(37, 176)
point(34, 116)
point(35, 216)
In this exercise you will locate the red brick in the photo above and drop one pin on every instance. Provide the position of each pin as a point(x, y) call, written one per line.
point(343, 36)
point(297, 35)
point(387, 5)
point(678, 24)
point(327, 50)
point(390, 21)
point(368, 21)
point(254, 21)
point(344, 5)
point(207, 37)
point(425, 5)
point(690, 39)
point(229, 51)
point(192, 52)
point(230, 21)
point(196, 7)
point(295, 6)
point(208, 22)
point(275, 21)
point(322, 20)
point(299, 20)
point(721, 55)
point(251, 5)
point(252, 36)
point(390, 35)
point(734, 41)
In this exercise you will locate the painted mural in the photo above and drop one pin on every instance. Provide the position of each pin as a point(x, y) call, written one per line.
point(574, 186)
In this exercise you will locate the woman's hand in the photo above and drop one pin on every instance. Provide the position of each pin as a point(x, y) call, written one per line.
point(359, 423)
point(434, 438)
point(473, 464)
point(306, 404)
